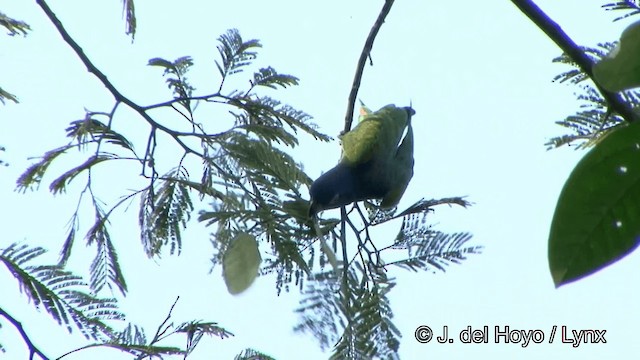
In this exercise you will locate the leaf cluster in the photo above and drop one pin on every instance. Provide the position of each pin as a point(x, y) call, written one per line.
point(13, 26)
point(65, 297)
point(246, 169)
point(60, 293)
point(254, 186)
point(594, 119)
point(348, 308)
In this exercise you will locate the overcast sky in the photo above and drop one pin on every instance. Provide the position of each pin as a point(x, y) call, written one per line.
point(477, 73)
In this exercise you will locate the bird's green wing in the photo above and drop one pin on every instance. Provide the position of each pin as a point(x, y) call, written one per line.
point(400, 170)
point(376, 136)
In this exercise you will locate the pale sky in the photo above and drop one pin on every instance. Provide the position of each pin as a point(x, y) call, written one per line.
point(479, 76)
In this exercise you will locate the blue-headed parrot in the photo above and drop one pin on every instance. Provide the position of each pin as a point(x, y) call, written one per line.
point(375, 164)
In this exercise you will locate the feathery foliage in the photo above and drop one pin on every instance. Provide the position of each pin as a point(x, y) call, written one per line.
point(164, 212)
point(631, 7)
point(91, 130)
point(246, 170)
point(195, 330)
point(428, 249)
point(32, 177)
point(60, 293)
point(235, 53)
point(5, 95)
point(269, 77)
point(129, 11)
point(255, 186)
point(594, 119)
point(364, 319)
point(105, 269)
point(15, 27)
point(251, 354)
point(347, 308)
point(176, 72)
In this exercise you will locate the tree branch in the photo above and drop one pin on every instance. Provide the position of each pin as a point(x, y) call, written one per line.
point(366, 51)
point(555, 33)
point(33, 350)
point(103, 78)
point(142, 111)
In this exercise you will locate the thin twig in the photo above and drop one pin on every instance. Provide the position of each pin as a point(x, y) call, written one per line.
point(555, 33)
point(366, 51)
point(160, 332)
point(368, 236)
point(103, 79)
point(181, 99)
point(361, 244)
point(142, 111)
point(82, 348)
point(33, 350)
point(345, 266)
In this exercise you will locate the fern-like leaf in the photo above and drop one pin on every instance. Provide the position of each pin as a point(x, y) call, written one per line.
point(60, 184)
point(257, 157)
point(195, 330)
point(105, 269)
point(134, 341)
point(594, 120)
point(320, 309)
point(430, 249)
point(15, 27)
point(89, 130)
point(65, 252)
point(271, 112)
point(630, 6)
point(251, 354)
point(175, 72)
point(269, 77)
point(60, 293)
point(129, 11)
point(374, 332)
point(164, 213)
point(576, 75)
point(265, 132)
point(379, 216)
point(32, 177)
point(235, 53)
point(5, 95)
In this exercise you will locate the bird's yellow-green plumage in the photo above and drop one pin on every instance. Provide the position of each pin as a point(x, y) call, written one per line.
point(376, 135)
point(376, 162)
point(400, 170)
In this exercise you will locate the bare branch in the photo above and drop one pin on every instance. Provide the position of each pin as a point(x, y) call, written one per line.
point(33, 350)
point(555, 33)
point(366, 52)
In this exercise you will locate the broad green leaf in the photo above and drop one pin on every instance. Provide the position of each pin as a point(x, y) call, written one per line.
point(240, 263)
point(597, 217)
point(620, 70)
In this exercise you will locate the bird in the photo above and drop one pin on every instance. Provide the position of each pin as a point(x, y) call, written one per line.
point(376, 162)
